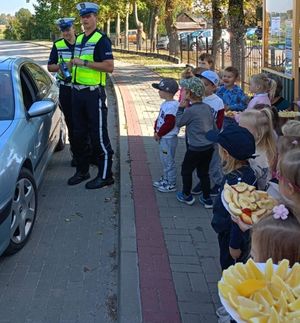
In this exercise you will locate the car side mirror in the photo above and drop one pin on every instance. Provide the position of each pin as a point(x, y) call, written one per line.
point(40, 108)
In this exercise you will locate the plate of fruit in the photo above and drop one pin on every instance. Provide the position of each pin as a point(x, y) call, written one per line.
point(261, 292)
point(244, 201)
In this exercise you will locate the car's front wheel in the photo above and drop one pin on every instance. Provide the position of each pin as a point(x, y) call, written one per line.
point(24, 209)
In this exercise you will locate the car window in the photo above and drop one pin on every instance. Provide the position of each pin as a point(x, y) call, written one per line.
point(7, 109)
point(41, 79)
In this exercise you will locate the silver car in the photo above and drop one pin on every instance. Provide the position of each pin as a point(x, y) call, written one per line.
point(31, 129)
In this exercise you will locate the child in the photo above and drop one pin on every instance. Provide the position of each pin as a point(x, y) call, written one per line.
point(259, 123)
point(198, 119)
point(206, 61)
point(234, 243)
point(165, 132)
point(211, 80)
point(187, 73)
point(232, 95)
point(278, 101)
point(291, 128)
point(263, 89)
point(277, 236)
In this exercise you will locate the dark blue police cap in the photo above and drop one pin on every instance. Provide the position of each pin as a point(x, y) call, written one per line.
point(238, 141)
point(64, 23)
point(85, 8)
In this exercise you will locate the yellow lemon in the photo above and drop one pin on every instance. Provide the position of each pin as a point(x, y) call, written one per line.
point(269, 270)
point(282, 270)
point(249, 286)
point(295, 306)
point(293, 278)
point(256, 272)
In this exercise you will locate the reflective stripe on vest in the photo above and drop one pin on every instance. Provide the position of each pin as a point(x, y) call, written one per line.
point(64, 51)
point(82, 74)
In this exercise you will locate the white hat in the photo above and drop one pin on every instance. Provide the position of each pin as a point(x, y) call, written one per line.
point(64, 23)
point(211, 76)
point(85, 8)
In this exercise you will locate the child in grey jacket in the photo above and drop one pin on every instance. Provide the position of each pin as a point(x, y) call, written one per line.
point(198, 119)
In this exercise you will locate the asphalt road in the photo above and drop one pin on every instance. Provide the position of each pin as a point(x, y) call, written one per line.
point(68, 270)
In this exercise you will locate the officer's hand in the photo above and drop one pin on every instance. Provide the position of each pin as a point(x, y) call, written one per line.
point(77, 61)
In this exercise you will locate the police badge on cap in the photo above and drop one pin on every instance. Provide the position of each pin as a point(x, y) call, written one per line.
point(85, 8)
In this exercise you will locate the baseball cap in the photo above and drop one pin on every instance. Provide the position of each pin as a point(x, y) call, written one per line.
point(64, 23)
point(85, 8)
point(211, 76)
point(238, 141)
point(193, 84)
point(167, 85)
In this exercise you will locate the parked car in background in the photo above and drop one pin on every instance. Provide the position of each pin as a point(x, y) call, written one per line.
point(163, 43)
point(203, 38)
point(132, 36)
point(254, 33)
point(31, 129)
point(188, 40)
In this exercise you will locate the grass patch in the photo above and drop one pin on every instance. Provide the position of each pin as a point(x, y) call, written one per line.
point(174, 72)
point(139, 59)
point(157, 65)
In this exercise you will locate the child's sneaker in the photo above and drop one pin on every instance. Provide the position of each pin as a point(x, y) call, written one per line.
point(215, 190)
point(166, 187)
point(197, 189)
point(181, 197)
point(160, 182)
point(207, 203)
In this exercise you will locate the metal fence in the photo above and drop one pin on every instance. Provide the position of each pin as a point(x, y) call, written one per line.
point(190, 50)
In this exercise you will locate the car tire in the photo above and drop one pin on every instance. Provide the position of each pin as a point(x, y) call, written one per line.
point(24, 209)
point(61, 142)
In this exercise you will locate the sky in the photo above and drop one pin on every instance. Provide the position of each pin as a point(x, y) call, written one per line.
point(12, 6)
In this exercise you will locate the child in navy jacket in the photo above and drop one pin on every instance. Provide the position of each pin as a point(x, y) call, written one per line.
point(236, 146)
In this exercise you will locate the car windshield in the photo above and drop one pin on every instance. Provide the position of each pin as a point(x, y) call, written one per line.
point(6, 96)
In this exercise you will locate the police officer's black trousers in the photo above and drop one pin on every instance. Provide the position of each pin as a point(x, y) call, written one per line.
point(65, 101)
point(90, 130)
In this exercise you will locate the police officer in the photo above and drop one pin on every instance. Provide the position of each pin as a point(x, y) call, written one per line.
point(63, 50)
point(92, 60)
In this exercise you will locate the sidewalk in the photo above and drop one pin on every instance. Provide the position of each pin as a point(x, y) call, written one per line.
point(169, 264)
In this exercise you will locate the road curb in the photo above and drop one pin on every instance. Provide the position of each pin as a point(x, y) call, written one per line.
point(129, 300)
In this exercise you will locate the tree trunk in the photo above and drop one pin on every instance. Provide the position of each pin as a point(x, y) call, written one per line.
point(153, 28)
point(237, 29)
point(140, 27)
point(108, 27)
point(171, 30)
point(126, 25)
point(217, 31)
point(118, 25)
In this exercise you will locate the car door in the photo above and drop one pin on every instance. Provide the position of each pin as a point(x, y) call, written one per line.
point(36, 85)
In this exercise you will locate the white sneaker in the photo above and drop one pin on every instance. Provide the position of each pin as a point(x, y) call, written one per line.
point(165, 188)
point(159, 183)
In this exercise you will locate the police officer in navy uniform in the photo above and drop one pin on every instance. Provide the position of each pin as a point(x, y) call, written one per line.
point(63, 50)
point(92, 60)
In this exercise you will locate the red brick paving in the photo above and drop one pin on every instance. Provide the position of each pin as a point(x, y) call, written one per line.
point(158, 297)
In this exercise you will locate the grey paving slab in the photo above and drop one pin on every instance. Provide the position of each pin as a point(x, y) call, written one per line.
point(68, 271)
point(190, 241)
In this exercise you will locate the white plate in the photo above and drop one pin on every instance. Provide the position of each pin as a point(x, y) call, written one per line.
point(231, 311)
point(226, 204)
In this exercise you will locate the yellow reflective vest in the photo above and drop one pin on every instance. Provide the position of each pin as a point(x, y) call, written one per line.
point(82, 74)
point(64, 51)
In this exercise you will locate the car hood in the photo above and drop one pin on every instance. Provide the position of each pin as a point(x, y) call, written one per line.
point(4, 125)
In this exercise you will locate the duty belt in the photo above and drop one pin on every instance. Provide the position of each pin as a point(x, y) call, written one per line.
point(61, 82)
point(83, 87)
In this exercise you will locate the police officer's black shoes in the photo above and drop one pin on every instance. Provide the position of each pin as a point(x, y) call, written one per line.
point(98, 182)
point(78, 177)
